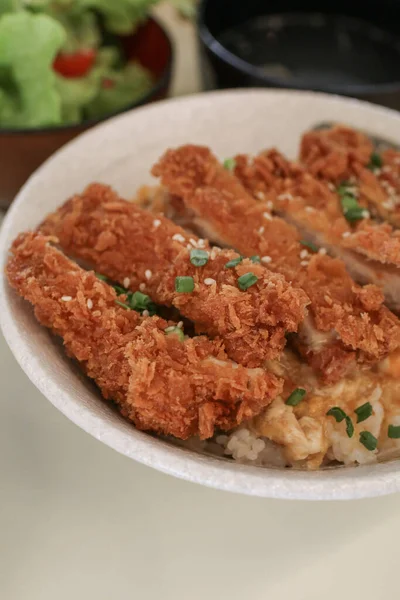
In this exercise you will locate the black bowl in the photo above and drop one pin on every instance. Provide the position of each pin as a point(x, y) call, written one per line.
point(350, 48)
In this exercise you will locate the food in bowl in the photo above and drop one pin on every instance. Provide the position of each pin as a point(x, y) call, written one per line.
point(62, 62)
point(297, 364)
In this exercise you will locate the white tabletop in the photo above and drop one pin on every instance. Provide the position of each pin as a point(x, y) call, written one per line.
point(78, 521)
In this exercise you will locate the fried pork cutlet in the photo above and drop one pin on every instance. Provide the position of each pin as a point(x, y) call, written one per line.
point(328, 218)
point(159, 382)
point(132, 247)
point(346, 322)
point(341, 154)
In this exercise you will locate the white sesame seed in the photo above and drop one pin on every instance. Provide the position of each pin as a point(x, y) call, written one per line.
point(269, 205)
point(201, 243)
point(126, 282)
point(66, 298)
point(267, 216)
point(178, 237)
point(353, 190)
point(89, 304)
point(266, 259)
point(260, 195)
point(261, 230)
point(145, 313)
point(156, 223)
point(346, 234)
point(142, 287)
point(388, 204)
point(180, 324)
point(322, 251)
point(213, 254)
point(193, 242)
point(189, 246)
point(285, 196)
point(209, 281)
point(148, 274)
point(331, 186)
point(304, 263)
point(377, 172)
point(309, 209)
point(303, 253)
point(365, 214)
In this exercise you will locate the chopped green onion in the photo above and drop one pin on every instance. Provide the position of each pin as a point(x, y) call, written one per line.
point(198, 258)
point(296, 397)
point(348, 202)
point(120, 290)
point(229, 164)
point(368, 440)
point(123, 305)
point(140, 302)
point(101, 277)
point(351, 209)
point(184, 284)
point(175, 331)
point(375, 161)
point(247, 280)
point(255, 259)
point(337, 413)
point(363, 412)
point(355, 214)
point(310, 245)
point(344, 188)
point(234, 262)
point(394, 432)
point(349, 427)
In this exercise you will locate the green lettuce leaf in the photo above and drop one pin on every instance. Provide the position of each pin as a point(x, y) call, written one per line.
point(28, 46)
point(121, 16)
point(80, 24)
point(128, 85)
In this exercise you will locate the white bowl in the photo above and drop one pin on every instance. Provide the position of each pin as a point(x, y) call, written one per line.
point(120, 152)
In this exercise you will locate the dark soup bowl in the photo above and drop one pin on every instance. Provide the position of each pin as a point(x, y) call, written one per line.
point(23, 150)
point(349, 48)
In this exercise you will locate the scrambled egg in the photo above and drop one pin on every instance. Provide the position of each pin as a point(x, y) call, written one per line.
point(311, 438)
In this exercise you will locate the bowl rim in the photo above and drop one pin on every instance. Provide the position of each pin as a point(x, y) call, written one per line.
point(332, 484)
point(247, 68)
point(159, 85)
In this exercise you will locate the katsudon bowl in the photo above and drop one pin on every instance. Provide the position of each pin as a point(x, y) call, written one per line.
point(121, 152)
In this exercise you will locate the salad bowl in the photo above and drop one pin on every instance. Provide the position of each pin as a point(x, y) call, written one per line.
point(23, 149)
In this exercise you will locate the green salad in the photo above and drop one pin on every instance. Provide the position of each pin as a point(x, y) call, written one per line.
point(61, 60)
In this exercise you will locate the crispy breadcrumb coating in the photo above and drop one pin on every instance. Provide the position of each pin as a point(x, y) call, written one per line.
point(123, 242)
point(343, 154)
point(332, 153)
point(370, 250)
point(219, 202)
point(159, 382)
point(376, 242)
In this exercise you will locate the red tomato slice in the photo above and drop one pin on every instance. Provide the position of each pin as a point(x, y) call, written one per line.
point(74, 65)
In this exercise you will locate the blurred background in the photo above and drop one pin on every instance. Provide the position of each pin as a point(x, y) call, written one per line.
point(65, 65)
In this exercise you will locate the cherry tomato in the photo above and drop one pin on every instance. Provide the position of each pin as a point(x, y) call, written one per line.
point(74, 65)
